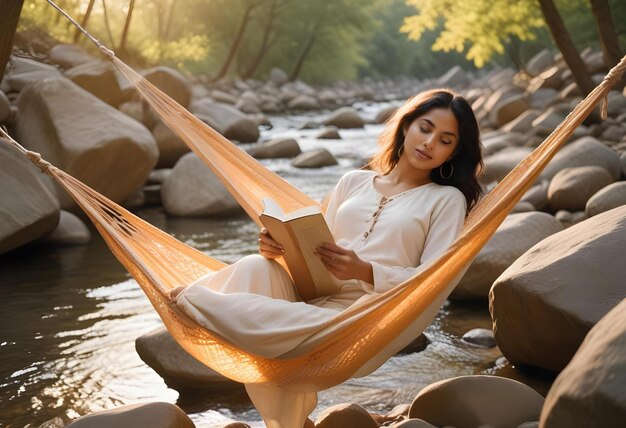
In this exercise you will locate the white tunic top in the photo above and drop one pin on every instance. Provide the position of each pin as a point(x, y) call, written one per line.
point(395, 233)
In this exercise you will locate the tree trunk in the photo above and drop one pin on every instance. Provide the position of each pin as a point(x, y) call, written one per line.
point(168, 25)
point(83, 22)
point(129, 15)
point(237, 42)
point(11, 10)
point(107, 26)
point(307, 48)
point(264, 43)
point(608, 36)
point(565, 44)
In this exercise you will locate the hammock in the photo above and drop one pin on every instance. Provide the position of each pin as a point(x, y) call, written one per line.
point(359, 339)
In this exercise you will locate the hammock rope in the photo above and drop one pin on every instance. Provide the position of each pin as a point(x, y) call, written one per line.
point(358, 339)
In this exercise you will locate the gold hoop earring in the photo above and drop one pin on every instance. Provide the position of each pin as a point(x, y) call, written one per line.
point(400, 151)
point(441, 171)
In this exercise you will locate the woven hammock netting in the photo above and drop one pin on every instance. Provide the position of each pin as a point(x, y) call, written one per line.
point(357, 340)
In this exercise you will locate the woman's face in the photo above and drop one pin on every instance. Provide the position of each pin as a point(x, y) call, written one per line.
point(431, 139)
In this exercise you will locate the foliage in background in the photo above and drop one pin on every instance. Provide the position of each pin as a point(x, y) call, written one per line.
point(322, 41)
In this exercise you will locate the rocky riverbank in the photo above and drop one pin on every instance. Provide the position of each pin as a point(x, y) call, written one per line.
point(553, 273)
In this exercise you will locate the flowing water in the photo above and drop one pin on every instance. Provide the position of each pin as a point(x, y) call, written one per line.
point(69, 318)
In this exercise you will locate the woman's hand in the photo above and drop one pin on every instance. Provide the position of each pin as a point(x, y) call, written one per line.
point(344, 263)
point(269, 248)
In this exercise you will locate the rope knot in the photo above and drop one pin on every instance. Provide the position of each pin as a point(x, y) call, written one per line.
point(41, 163)
point(106, 51)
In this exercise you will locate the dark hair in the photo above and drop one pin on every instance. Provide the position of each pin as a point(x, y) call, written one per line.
point(467, 158)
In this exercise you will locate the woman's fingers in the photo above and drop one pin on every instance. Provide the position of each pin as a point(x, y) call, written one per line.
point(266, 239)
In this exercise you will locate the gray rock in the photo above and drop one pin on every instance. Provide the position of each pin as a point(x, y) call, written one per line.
point(480, 337)
point(133, 109)
point(383, 115)
point(543, 98)
point(614, 133)
point(304, 102)
point(105, 149)
point(589, 392)
point(178, 369)
point(534, 424)
point(567, 282)
point(568, 219)
point(227, 120)
point(548, 121)
point(571, 188)
point(209, 196)
point(497, 166)
point(68, 56)
point(70, 231)
point(99, 79)
point(517, 234)
point(509, 109)
point(162, 415)
point(277, 148)
point(539, 62)
point(28, 210)
point(617, 103)
point(454, 78)
point(609, 197)
point(158, 176)
point(522, 123)
point(586, 151)
point(249, 103)
point(223, 97)
point(622, 159)
point(496, 141)
point(5, 108)
point(278, 76)
point(346, 415)
point(329, 133)
point(314, 159)
point(171, 147)
point(345, 117)
point(172, 82)
point(470, 401)
point(537, 195)
point(413, 423)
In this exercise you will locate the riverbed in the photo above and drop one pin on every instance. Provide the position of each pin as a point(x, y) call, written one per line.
point(70, 316)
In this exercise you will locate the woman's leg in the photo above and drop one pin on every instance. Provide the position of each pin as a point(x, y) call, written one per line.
point(252, 274)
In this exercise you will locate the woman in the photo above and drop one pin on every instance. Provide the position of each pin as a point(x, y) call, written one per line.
point(387, 222)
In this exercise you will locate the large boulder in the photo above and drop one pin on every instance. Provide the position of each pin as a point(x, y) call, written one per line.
point(609, 197)
point(171, 82)
point(178, 369)
point(472, 401)
point(171, 147)
point(571, 188)
point(545, 303)
point(514, 237)
point(537, 195)
point(162, 415)
point(28, 209)
point(345, 117)
point(68, 56)
point(99, 79)
point(192, 190)
point(586, 151)
point(85, 137)
point(589, 392)
point(228, 121)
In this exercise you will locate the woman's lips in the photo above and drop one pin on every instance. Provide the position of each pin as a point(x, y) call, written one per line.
point(422, 154)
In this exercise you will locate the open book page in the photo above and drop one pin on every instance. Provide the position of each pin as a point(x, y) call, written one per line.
point(300, 233)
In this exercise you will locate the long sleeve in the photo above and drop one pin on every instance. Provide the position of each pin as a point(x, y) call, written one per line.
point(445, 226)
